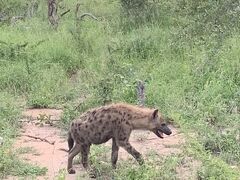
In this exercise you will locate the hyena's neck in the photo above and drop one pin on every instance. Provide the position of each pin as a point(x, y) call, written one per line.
point(140, 122)
point(139, 116)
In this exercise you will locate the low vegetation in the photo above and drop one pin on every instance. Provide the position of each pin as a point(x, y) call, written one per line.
point(186, 53)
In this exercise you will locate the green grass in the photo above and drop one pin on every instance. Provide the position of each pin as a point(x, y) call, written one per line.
point(155, 167)
point(189, 63)
point(9, 162)
point(212, 167)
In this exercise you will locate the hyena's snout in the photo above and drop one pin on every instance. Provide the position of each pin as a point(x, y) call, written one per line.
point(163, 129)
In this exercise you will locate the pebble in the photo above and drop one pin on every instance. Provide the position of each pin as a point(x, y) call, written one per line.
point(1, 141)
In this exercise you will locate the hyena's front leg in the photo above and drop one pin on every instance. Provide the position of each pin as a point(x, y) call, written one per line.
point(115, 149)
point(131, 150)
point(85, 148)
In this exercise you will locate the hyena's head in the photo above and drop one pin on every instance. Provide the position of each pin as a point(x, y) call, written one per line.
point(158, 124)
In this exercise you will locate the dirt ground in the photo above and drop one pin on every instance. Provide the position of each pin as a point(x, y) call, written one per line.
point(48, 154)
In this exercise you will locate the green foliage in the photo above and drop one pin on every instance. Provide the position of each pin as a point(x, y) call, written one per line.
point(68, 115)
point(12, 7)
point(46, 88)
point(71, 112)
point(8, 115)
point(104, 91)
point(9, 164)
point(154, 168)
point(216, 170)
point(14, 78)
point(26, 169)
point(140, 47)
point(57, 53)
point(210, 21)
point(137, 13)
point(186, 52)
point(212, 167)
point(224, 145)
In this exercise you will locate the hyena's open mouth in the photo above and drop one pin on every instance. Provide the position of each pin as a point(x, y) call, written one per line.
point(162, 130)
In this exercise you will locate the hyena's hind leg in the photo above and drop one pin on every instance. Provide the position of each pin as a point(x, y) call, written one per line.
point(114, 156)
point(72, 153)
point(70, 141)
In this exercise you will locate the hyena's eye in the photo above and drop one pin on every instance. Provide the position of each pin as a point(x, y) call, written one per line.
point(163, 124)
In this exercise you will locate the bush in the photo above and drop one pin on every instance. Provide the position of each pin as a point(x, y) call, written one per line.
point(47, 88)
point(14, 78)
point(9, 164)
point(137, 13)
point(210, 22)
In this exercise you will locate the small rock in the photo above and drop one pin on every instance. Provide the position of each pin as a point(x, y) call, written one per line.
point(1, 141)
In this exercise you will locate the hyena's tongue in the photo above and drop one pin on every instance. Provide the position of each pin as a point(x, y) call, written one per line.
point(160, 134)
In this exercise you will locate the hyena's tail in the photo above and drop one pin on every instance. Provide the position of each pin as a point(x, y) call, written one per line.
point(70, 142)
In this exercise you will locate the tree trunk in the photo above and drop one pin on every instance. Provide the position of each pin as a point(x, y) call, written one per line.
point(141, 93)
point(52, 13)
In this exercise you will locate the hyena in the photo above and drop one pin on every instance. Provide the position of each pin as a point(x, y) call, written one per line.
point(115, 121)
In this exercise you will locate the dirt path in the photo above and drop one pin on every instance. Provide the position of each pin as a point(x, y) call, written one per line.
point(55, 160)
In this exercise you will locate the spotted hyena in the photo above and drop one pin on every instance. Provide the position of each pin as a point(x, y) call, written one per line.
point(115, 121)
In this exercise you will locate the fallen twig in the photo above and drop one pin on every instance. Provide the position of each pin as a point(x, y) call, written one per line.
point(62, 149)
point(65, 12)
point(38, 43)
point(87, 14)
point(31, 120)
point(42, 139)
point(84, 14)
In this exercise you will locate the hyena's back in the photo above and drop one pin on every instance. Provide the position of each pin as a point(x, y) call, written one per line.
point(99, 125)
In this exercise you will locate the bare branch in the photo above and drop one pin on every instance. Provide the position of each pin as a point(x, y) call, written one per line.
point(65, 12)
point(34, 119)
point(38, 43)
point(88, 14)
point(14, 19)
point(84, 14)
point(42, 139)
point(62, 149)
point(77, 9)
point(141, 93)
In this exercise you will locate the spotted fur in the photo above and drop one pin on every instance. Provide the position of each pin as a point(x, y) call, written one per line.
point(116, 122)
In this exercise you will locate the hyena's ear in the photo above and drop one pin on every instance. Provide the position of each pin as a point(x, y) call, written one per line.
point(155, 114)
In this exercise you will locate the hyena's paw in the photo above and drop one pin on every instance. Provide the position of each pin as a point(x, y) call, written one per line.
point(92, 173)
point(141, 161)
point(71, 171)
